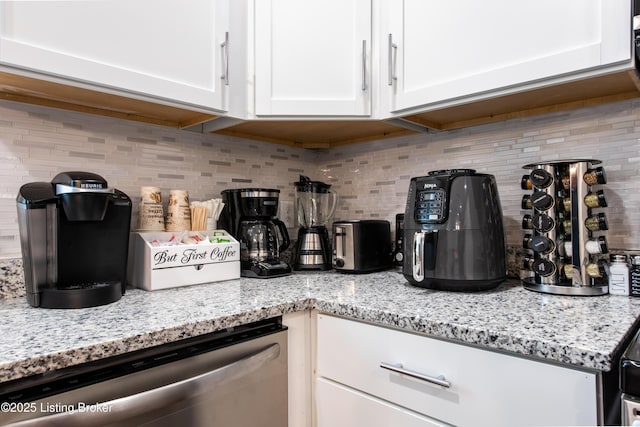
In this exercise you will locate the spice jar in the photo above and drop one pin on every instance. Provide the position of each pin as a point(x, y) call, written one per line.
point(597, 270)
point(542, 244)
point(566, 204)
point(541, 178)
point(595, 199)
point(525, 183)
point(597, 246)
point(543, 222)
point(544, 267)
point(526, 202)
point(527, 222)
point(527, 263)
point(634, 273)
point(596, 222)
point(568, 248)
point(568, 271)
point(541, 200)
point(566, 182)
point(595, 176)
point(526, 241)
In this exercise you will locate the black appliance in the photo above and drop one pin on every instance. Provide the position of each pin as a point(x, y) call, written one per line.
point(361, 246)
point(630, 383)
point(315, 205)
point(453, 232)
point(74, 235)
point(398, 253)
point(249, 215)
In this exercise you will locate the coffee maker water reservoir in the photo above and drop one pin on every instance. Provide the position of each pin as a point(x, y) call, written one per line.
point(74, 235)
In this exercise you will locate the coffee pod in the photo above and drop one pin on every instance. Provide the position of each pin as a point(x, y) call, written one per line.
point(178, 211)
point(151, 213)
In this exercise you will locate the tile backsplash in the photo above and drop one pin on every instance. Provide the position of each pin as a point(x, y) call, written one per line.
point(372, 178)
point(36, 143)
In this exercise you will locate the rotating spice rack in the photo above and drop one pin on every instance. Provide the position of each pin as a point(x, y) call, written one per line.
point(564, 228)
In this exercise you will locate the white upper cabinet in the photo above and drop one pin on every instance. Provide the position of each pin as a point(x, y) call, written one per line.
point(159, 48)
point(312, 58)
point(434, 51)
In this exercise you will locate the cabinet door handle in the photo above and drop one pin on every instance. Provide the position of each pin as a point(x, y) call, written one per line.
point(225, 59)
point(364, 65)
point(397, 368)
point(393, 53)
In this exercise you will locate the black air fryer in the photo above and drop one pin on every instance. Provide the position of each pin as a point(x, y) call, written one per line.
point(453, 232)
point(74, 234)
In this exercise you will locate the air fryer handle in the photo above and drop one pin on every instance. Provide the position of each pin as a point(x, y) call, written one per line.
point(424, 253)
point(284, 233)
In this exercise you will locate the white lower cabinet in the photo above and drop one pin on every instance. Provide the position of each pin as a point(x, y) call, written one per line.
point(481, 387)
point(341, 406)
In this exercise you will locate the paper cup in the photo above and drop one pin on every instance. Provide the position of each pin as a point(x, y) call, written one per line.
point(151, 212)
point(178, 211)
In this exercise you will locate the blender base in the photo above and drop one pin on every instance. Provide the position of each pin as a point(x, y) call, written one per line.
point(313, 249)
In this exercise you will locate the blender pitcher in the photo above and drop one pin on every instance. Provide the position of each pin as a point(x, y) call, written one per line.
point(315, 204)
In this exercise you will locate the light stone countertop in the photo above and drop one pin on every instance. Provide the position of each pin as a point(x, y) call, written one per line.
point(585, 332)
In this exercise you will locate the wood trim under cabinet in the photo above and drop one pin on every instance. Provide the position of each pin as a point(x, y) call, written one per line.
point(588, 92)
point(30, 90)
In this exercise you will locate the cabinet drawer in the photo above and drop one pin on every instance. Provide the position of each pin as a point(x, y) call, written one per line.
point(486, 388)
point(339, 406)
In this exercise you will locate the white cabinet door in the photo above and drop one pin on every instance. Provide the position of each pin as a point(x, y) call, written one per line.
point(339, 406)
point(435, 51)
point(312, 57)
point(162, 48)
point(454, 383)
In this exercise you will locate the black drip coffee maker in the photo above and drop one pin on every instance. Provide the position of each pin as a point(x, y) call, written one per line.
point(249, 215)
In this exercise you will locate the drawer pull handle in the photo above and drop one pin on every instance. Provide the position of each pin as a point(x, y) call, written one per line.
point(397, 368)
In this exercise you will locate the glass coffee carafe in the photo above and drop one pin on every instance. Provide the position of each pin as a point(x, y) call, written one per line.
point(262, 240)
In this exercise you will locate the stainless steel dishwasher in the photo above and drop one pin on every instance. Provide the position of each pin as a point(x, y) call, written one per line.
point(232, 378)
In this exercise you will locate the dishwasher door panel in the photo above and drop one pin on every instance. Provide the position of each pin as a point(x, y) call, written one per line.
point(241, 385)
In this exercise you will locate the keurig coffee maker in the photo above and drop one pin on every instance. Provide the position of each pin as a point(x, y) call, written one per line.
point(249, 215)
point(74, 234)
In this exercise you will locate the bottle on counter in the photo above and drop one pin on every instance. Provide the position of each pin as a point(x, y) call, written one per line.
point(634, 285)
point(618, 275)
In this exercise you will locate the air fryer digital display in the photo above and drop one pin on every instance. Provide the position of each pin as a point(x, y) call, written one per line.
point(430, 205)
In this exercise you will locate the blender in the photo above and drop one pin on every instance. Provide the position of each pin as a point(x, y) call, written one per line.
point(315, 204)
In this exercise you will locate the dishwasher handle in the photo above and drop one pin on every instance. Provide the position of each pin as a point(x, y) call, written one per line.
point(148, 401)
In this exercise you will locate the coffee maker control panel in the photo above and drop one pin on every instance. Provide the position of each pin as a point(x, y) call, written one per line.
point(431, 205)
